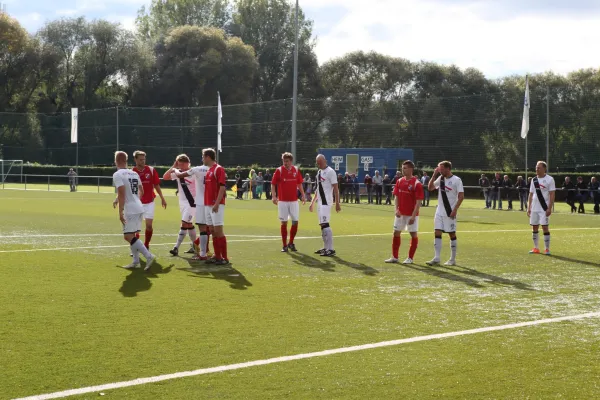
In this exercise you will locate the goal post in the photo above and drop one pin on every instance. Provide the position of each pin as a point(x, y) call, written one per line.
point(11, 168)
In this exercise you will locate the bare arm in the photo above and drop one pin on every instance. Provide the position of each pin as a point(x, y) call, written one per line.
point(220, 196)
point(121, 198)
point(167, 175)
point(431, 185)
point(160, 194)
point(336, 193)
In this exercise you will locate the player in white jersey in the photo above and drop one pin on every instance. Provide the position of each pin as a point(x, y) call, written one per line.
point(186, 190)
point(541, 201)
point(450, 196)
point(131, 212)
point(201, 244)
point(327, 192)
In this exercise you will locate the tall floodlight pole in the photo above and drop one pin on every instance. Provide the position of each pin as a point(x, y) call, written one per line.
point(295, 90)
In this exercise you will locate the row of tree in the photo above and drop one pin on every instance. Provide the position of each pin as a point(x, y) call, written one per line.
point(184, 51)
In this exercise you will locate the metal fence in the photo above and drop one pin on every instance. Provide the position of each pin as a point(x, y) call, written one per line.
point(474, 132)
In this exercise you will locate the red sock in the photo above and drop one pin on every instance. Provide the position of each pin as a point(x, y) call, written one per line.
point(137, 235)
point(395, 246)
point(217, 246)
point(414, 242)
point(284, 234)
point(147, 238)
point(224, 248)
point(197, 241)
point(293, 231)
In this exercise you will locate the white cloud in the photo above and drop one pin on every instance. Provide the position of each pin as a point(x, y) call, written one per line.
point(462, 33)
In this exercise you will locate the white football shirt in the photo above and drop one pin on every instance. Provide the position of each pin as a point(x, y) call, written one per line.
point(326, 178)
point(546, 186)
point(199, 174)
point(186, 189)
point(453, 186)
point(131, 181)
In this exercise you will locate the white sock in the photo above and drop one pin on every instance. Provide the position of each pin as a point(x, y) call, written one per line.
point(324, 236)
point(437, 245)
point(192, 233)
point(138, 245)
point(536, 240)
point(329, 238)
point(453, 246)
point(547, 240)
point(203, 244)
point(180, 238)
point(136, 254)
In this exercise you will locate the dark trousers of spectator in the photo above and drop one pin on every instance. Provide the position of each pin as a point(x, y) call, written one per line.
point(268, 191)
point(378, 193)
point(571, 201)
point(596, 197)
point(487, 197)
point(508, 197)
point(523, 199)
point(425, 202)
point(347, 193)
point(370, 194)
point(582, 198)
point(240, 191)
point(72, 185)
point(388, 197)
point(496, 197)
point(357, 196)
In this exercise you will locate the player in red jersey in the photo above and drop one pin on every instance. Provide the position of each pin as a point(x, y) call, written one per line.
point(150, 182)
point(214, 205)
point(408, 194)
point(288, 180)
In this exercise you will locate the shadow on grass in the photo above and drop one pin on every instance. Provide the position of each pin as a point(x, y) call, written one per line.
point(322, 263)
point(496, 280)
point(574, 260)
point(444, 275)
point(365, 269)
point(226, 273)
point(138, 280)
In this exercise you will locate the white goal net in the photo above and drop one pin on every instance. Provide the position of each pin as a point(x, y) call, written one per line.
point(11, 171)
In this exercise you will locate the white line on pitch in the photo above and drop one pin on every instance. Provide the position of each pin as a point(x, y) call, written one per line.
point(267, 239)
point(267, 236)
point(230, 367)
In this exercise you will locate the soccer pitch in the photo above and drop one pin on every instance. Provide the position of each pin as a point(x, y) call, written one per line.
point(72, 318)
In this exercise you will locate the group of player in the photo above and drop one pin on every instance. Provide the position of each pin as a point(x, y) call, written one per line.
point(201, 198)
point(202, 193)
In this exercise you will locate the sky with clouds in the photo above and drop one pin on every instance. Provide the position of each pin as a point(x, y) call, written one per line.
point(498, 37)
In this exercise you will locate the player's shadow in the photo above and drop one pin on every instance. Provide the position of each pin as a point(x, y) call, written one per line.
point(227, 273)
point(444, 275)
point(365, 269)
point(496, 280)
point(311, 262)
point(576, 261)
point(138, 280)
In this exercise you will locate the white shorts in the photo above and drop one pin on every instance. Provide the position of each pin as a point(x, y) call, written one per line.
point(288, 209)
point(148, 210)
point(133, 223)
point(539, 218)
point(187, 212)
point(324, 213)
point(401, 224)
point(444, 224)
point(212, 218)
point(200, 214)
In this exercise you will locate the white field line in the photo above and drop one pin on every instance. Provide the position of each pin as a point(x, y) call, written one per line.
point(368, 346)
point(254, 239)
point(269, 236)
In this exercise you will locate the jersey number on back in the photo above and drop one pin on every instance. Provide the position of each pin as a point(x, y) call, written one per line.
point(134, 185)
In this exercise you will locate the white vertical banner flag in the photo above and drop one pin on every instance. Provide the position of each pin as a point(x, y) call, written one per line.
point(525, 125)
point(74, 117)
point(219, 124)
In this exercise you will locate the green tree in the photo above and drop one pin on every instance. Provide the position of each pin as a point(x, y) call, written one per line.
point(161, 16)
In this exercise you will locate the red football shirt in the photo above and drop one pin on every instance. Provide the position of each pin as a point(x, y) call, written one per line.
point(215, 178)
point(287, 183)
point(149, 177)
point(408, 193)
